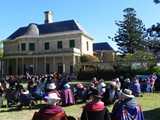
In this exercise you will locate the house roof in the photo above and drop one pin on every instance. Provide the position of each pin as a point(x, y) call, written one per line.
point(101, 46)
point(36, 30)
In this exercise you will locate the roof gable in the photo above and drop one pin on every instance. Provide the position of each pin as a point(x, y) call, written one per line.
point(55, 27)
point(101, 46)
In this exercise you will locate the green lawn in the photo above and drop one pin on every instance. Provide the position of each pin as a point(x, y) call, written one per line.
point(150, 103)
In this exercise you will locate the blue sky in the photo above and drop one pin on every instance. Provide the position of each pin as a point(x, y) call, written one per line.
point(96, 16)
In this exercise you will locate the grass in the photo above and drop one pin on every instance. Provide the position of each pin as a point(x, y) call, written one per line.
point(150, 103)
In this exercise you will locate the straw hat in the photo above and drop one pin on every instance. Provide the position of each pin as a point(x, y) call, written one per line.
point(127, 94)
point(95, 93)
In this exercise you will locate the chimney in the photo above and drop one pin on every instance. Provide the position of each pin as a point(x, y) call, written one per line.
point(48, 17)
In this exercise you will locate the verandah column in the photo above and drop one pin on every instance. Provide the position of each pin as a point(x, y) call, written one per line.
point(45, 65)
point(54, 65)
point(22, 65)
point(16, 66)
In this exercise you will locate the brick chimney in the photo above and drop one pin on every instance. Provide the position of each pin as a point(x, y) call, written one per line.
point(48, 17)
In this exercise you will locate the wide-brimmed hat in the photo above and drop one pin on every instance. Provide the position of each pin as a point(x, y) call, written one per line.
point(51, 86)
point(24, 91)
point(80, 86)
point(95, 93)
point(127, 94)
point(52, 96)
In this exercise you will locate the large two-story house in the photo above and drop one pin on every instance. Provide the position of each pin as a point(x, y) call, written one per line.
point(46, 48)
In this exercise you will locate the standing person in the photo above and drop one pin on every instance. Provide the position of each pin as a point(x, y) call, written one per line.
point(127, 108)
point(1, 93)
point(95, 110)
point(152, 81)
point(51, 110)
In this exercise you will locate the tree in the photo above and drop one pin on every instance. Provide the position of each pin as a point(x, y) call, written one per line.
point(153, 42)
point(131, 34)
point(156, 1)
point(89, 58)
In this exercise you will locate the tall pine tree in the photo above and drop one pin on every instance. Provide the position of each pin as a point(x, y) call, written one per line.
point(131, 33)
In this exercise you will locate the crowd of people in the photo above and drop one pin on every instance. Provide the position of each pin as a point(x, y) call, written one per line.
point(57, 93)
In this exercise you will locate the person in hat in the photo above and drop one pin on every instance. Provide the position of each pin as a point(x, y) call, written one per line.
point(95, 110)
point(50, 88)
point(67, 96)
point(25, 98)
point(12, 96)
point(127, 108)
point(52, 110)
point(111, 94)
point(79, 93)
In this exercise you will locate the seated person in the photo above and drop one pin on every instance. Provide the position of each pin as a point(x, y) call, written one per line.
point(127, 108)
point(36, 93)
point(51, 110)
point(12, 96)
point(111, 94)
point(18, 86)
point(95, 110)
point(25, 99)
point(80, 92)
point(101, 86)
point(67, 96)
point(136, 88)
point(50, 88)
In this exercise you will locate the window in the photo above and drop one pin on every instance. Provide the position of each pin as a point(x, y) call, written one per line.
point(31, 46)
point(71, 43)
point(87, 46)
point(59, 44)
point(23, 47)
point(46, 45)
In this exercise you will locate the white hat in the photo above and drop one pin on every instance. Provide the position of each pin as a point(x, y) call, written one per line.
point(51, 86)
point(52, 96)
point(127, 94)
point(113, 83)
point(0, 84)
point(24, 91)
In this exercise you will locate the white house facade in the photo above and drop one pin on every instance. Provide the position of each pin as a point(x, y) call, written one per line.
point(46, 48)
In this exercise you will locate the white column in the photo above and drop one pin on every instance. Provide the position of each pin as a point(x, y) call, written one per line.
point(64, 67)
point(16, 66)
point(54, 65)
point(45, 65)
point(22, 66)
point(7, 66)
point(74, 62)
point(36, 66)
point(33, 66)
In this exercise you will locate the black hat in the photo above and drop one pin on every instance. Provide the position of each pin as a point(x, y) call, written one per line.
point(95, 93)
